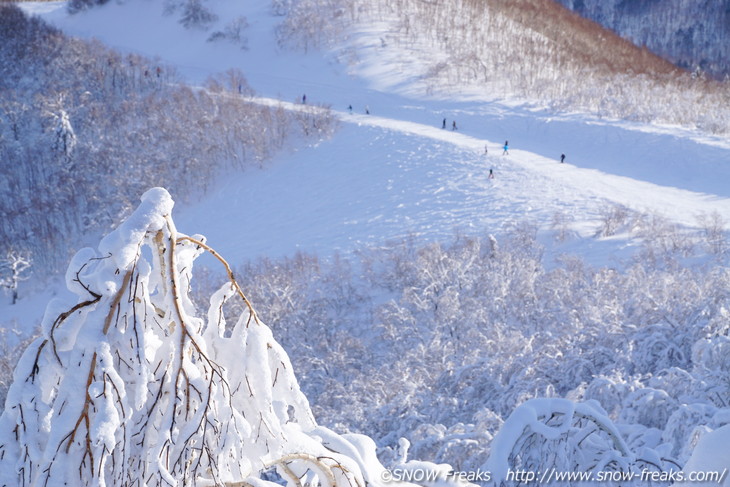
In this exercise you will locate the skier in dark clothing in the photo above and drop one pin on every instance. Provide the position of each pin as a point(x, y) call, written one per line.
point(491, 173)
point(304, 99)
point(349, 108)
point(443, 124)
point(562, 158)
point(453, 125)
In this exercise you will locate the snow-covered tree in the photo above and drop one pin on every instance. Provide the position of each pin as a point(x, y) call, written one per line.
point(14, 269)
point(195, 14)
point(130, 386)
point(233, 31)
point(548, 437)
point(65, 136)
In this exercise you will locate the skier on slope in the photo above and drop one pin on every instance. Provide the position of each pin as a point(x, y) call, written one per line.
point(506, 148)
point(562, 158)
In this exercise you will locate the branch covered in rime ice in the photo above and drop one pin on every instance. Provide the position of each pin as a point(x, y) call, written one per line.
point(130, 386)
point(559, 435)
point(544, 431)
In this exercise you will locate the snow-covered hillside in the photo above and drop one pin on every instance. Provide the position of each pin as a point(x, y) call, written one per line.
point(691, 34)
point(397, 172)
point(409, 166)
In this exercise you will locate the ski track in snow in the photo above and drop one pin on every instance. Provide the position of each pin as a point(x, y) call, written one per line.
point(396, 172)
point(381, 178)
point(615, 189)
point(675, 204)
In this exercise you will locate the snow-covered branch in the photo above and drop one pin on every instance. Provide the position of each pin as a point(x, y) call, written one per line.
point(131, 386)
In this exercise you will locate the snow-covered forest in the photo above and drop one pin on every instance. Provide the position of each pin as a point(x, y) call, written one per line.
point(427, 324)
point(461, 333)
point(473, 333)
point(518, 48)
point(94, 128)
point(691, 34)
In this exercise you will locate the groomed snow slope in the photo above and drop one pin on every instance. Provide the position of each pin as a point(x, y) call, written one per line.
point(396, 171)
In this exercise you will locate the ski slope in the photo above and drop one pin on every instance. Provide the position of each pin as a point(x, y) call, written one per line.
point(382, 178)
point(396, 172)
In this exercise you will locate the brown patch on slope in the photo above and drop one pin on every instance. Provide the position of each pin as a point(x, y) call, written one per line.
point(582, 39)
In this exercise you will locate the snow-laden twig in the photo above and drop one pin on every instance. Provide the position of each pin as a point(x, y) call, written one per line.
point(137, 389)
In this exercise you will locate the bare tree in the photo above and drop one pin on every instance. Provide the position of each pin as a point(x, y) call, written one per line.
point(233, 31)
